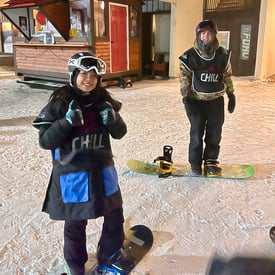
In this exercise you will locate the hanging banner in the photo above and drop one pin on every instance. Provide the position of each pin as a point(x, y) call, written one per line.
point(245, 42)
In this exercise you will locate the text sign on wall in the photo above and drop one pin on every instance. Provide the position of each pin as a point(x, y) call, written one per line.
point(245, 42)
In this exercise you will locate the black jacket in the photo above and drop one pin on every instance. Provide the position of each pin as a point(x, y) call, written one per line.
point(83, 182)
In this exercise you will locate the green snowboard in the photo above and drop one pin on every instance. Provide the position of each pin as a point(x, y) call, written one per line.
point(229, 171)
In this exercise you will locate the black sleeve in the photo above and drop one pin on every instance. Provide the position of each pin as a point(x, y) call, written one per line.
point(119, 128)
point(54, 135)
point(53, 128)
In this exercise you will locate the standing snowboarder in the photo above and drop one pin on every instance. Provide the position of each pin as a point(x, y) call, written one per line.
point(205, 75)
point(76, 126)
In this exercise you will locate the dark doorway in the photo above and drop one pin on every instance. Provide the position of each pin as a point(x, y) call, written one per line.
point(147, 43)
point(243, 28)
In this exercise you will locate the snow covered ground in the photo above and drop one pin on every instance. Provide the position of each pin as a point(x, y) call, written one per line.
point(192, 218)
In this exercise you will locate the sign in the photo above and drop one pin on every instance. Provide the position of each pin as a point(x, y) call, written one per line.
point(245, 42)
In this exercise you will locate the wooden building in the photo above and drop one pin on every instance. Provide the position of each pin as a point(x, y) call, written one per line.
point(48, 32)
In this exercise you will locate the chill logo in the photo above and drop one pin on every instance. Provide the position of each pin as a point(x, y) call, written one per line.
point(93, 141)
point(209, 77)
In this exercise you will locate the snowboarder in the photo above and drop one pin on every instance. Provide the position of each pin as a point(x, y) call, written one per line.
point(76, 126)
point(205, 75)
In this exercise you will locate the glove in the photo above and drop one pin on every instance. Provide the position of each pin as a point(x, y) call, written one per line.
point(184, 99)
point(231, 103)
point(74, 114)
point(107, 113)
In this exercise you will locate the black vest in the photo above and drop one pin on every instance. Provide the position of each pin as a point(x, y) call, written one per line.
point(207, 73)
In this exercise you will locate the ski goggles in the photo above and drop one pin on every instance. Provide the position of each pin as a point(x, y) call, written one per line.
point(89, 63)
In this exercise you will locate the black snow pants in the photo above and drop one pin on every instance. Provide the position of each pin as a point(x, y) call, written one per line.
point(206, 120)
point(111, 240)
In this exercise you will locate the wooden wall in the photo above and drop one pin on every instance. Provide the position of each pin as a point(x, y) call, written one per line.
point(135, 55)
point(102, 50)
point(44, 60)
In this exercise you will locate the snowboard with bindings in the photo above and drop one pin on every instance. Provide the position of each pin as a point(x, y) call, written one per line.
point(229, 171)
point(163, 166)
point(138, 241)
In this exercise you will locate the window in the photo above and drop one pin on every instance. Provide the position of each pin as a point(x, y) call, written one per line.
point(155, 6)
point(42, 24)
point(32, 22)
point(99, 18)
point(79, 17)
point(134, 30)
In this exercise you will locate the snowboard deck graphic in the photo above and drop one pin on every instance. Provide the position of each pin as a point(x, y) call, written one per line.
point(138, 241)
point(230, 171)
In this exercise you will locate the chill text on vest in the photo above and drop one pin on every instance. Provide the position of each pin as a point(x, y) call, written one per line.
point(209, 77)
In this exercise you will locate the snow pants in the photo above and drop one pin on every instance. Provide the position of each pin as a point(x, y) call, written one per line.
point(111, 240)
point(206, 120)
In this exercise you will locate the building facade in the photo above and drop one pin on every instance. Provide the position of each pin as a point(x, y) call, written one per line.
point(245, 27)
point(48, 32)
point(127, 33)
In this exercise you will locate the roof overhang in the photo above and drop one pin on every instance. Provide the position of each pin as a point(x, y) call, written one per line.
point(12, 4)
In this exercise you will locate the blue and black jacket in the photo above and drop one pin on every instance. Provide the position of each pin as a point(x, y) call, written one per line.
point(84, 181)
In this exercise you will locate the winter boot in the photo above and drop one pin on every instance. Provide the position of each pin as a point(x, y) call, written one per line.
point(211, 168)
point(194, 173)
point(119, 264)
point(121, 261)
point(105, 270)
point(70, 271)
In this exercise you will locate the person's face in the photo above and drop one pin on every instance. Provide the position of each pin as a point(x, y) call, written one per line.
point(207, 36)
point(86, 81)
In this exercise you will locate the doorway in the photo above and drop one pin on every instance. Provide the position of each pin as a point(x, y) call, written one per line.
point(118, 33)
point(155, 38)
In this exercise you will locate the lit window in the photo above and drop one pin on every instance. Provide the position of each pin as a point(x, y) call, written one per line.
point(99, 18)
point(79, 17)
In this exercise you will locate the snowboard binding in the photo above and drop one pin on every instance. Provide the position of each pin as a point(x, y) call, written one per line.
point(211, 168)
point(165, 162)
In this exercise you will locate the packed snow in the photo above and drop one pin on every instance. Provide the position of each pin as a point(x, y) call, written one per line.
point(191, 218)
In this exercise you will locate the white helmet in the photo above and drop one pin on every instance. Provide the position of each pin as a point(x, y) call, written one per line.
point(85, 61)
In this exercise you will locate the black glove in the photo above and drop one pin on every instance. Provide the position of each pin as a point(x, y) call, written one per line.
point(74, 114)
point(107, 113)
point(231, 103)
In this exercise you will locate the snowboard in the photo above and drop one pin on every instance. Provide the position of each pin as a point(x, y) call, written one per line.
point(138, 241)
point(229, 171)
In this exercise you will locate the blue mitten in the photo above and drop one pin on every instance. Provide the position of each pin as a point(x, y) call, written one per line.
point(74, 114)
point(107, 113)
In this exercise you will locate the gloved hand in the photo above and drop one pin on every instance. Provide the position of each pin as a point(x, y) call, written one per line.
point(231, 103)
point(74, 114)
point(107, 113)
point(184, 99)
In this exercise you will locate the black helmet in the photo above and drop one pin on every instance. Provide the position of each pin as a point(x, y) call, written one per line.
point(208, 48)
point(85, 61)
point(206, 25)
